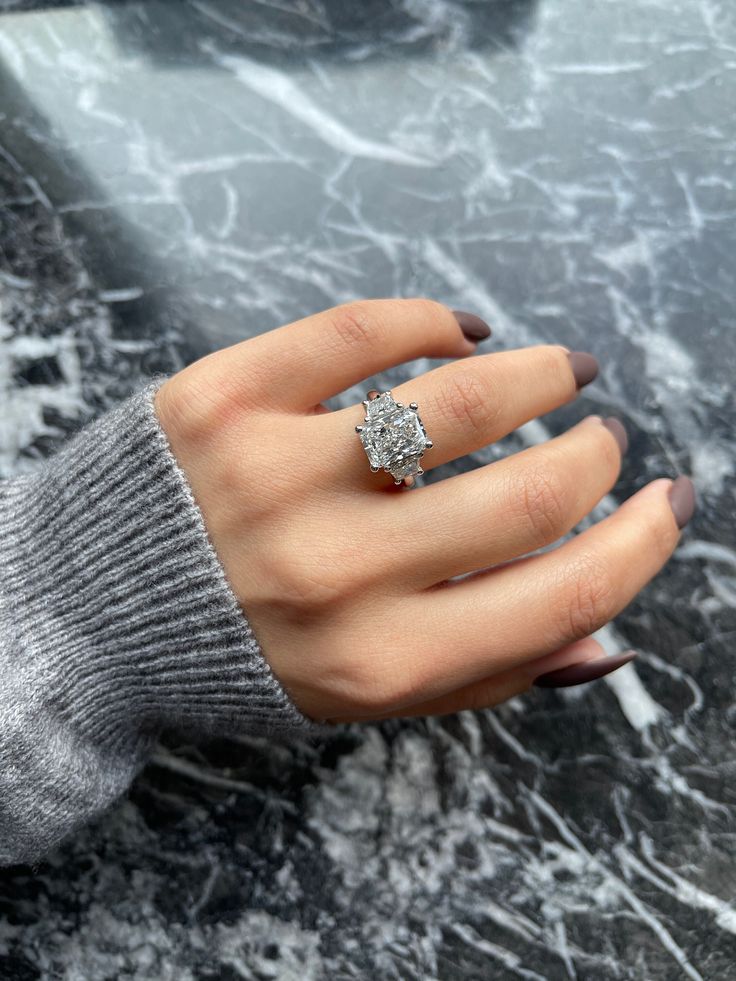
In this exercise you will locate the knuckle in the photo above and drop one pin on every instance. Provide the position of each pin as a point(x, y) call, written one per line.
point(545, 499)
point(191, 411)
point(357, 324)
point(589, 598)
point(467, 399)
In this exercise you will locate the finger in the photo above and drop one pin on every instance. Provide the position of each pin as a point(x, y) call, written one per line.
point(505, 509)
point(467, 404)
point(585, 660)
point(527, 608)
point(296, 366)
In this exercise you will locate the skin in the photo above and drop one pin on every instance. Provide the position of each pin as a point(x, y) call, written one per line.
point(343, 575)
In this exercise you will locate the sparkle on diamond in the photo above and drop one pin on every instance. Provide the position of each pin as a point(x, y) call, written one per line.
point(392, 436)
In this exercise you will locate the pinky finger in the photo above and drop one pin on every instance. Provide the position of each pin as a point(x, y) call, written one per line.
point(577, 663)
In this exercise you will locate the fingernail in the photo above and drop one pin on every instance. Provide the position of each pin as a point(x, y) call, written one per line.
point(682, 500)
point(578, 674)
point(473, 327)
point(615, 427)
point(584, 367)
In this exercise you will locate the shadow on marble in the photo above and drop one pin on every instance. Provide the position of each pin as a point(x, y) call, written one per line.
point(173, 36)
point(169, 33)
point(109, 246)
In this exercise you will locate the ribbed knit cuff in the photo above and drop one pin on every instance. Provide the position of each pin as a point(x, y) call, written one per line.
point(119, 599)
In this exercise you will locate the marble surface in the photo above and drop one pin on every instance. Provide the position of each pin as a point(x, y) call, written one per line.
point(177, 175)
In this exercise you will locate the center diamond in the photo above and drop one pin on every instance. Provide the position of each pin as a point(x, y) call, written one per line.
point(393, 437)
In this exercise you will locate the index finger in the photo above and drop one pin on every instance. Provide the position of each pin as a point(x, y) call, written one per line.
point(297, 366)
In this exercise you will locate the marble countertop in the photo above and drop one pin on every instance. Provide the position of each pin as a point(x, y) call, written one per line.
point(177, 175)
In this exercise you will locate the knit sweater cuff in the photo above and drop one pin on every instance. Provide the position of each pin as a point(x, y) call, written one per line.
point(121, 616)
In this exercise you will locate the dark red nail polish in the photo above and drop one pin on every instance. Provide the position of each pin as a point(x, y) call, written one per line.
point(473, 327)
point(578, 674)
point(682, 500)
point(584, 367)
point(615, 427)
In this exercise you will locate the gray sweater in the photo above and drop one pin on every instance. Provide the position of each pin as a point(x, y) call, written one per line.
point(116, 624)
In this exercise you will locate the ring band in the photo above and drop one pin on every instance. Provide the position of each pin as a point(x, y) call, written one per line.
point(393, 437)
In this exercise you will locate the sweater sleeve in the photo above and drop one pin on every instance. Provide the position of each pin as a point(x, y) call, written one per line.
point(116, 623)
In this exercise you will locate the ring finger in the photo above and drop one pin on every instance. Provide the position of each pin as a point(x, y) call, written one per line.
point(465, 405)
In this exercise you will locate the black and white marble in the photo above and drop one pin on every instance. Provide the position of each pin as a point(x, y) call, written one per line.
point(177, 175)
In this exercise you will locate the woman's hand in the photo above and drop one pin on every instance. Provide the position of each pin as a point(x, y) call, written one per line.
point(344, 576)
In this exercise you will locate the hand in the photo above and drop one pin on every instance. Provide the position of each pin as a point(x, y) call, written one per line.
point(344, 576)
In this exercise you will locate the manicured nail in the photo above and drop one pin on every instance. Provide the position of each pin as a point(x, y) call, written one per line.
point(473, 327)
point(578, 674)
point(615, 427)
point(682, 500)
point(584, 367)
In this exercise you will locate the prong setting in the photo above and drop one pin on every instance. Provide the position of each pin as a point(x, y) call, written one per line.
point(393, 437)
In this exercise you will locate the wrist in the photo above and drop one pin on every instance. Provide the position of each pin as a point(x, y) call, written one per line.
point(122, 595)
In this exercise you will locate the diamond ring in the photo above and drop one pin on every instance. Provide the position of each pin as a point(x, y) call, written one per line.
point(393, 437)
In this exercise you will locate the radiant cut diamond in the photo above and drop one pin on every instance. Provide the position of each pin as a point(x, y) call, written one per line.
point(393, 437)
